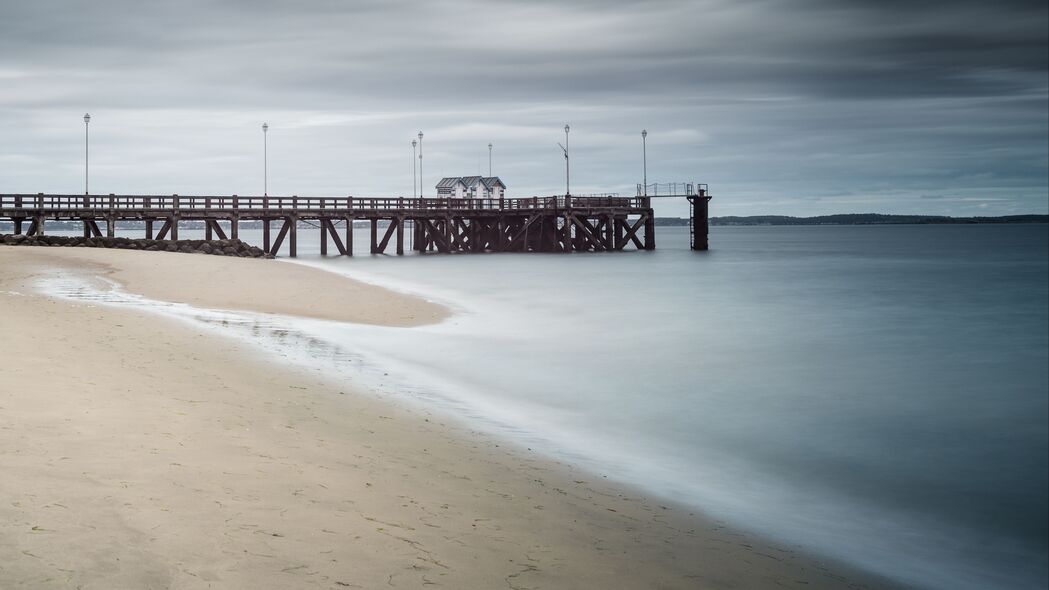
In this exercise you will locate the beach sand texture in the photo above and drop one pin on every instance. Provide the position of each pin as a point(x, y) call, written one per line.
point(141, 452)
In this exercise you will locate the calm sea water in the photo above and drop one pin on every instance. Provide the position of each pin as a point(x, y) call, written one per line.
point(877, 394)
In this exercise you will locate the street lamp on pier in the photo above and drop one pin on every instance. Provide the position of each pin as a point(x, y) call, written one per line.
point(421, 164)
point(644, 158)
point(564, 148)
point(87, 119)
point(489, 159)
point(415, 181)
point(265, 160)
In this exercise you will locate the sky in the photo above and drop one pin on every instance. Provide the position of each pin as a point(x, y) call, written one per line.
point(790, 107)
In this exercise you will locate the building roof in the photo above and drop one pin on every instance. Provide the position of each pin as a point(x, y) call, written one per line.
point(470, 182)
point(449, 182)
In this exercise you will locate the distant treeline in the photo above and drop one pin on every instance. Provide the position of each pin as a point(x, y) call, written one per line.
point(857, 219)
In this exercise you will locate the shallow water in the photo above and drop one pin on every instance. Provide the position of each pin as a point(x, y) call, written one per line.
point(874, 393)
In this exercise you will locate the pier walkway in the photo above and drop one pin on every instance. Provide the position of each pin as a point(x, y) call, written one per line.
point(531, 224)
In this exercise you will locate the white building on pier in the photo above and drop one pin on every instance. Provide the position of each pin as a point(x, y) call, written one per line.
point(471, 187)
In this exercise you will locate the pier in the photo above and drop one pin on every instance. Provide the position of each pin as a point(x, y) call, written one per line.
point(599, 223)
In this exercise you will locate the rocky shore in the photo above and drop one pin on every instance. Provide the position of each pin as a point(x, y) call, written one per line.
point(215, 247)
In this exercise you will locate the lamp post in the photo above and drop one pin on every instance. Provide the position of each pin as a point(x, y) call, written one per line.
point(265, 160)
point(420, 164)
point(567, 174)
point(644, 158)
point(489, 159)
point(87, 119)
point(414, 179)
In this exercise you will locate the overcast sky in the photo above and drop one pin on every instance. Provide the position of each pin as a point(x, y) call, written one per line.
point(796, 107)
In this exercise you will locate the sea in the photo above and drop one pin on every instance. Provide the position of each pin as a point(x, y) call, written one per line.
point(877, 395)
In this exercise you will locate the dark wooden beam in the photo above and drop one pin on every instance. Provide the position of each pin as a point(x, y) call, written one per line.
point(329, 227)
point(650, 231)
point(387, 235)
point(631, 233)
point(164, 229)
point(280, 237)
point(349, 236)
point(213, 224)
point(293, 232)
point(400, 236)
point(522, 234)
point(588, 233)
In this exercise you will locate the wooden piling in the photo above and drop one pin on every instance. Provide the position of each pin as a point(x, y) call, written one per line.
point(293, 223)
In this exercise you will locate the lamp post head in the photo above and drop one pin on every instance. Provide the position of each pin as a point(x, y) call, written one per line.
point(644, 133)
point(265, 127)
point(420, 136)
point(566, 128)
point(413, 143)
point(87, 118)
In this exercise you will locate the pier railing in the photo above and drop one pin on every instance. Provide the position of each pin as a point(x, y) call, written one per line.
point(671, 189)
point(179, 203)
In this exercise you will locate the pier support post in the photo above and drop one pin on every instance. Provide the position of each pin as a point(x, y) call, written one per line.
point(87, 229)
point(650, 231)
point(18, 226)
point(349, 236)
point(174, 227)
point(234, 225)
point(324, 237)
point(700, 221)
point(207, 230)
point(400, 236)
point(293, 223)
point(111, 226)
point(149, 229)
point(38, 221)
point(266, 235)
point(375, 235)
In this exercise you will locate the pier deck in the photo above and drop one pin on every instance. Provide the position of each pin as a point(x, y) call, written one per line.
point(532, 224)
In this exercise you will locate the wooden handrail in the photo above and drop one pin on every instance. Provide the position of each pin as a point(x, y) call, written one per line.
point(176, 203)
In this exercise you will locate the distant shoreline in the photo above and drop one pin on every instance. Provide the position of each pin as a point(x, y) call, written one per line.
point(859, 219)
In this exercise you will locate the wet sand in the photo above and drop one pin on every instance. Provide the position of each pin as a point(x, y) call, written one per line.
point(141, 452)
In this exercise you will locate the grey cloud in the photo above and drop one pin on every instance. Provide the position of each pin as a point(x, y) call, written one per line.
point(762, 99)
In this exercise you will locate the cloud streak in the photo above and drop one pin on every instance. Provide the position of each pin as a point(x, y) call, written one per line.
point(768, 102)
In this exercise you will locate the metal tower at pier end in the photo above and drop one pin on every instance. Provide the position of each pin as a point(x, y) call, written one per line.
point(698, 196)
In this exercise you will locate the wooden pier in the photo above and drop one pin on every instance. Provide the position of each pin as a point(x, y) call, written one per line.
point(532, 224)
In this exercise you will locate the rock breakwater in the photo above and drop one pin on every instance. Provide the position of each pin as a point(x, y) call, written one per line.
point(213, 247)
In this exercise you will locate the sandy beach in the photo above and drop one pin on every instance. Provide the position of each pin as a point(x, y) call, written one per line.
point(141, 452)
